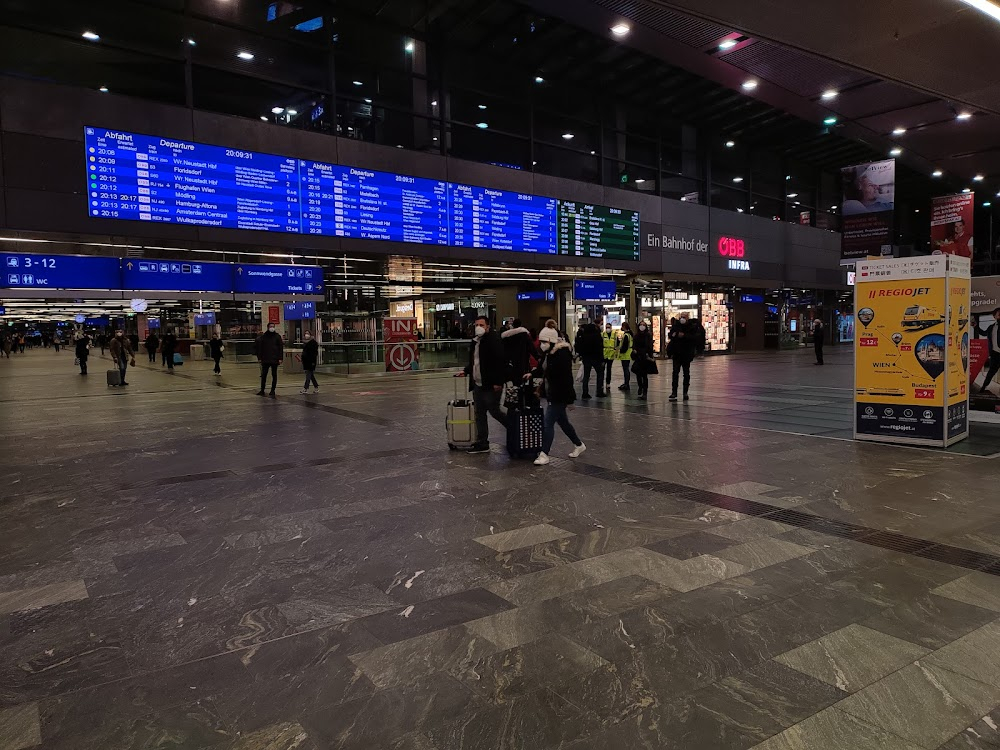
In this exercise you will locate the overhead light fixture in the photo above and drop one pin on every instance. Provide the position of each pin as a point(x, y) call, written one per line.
point(966, 190)
point(899, 131)
point(593, 153)
point(830, 121)
point(91, 36)
point(409, 46)
point(482, 125)
point(482, 106)
point(896, 151)
point(568, 136)
point(245, 55)
point(987, 204)
point(357, 83)
point(539, 79)
point(191, 42)
point(683, 199)
point(985, 6)
point(793, 195)
point(435, 138)
point(730, 144)
point(292, 112)
point(963, 116)
point(979, 178)
point(103, 89)
point(737, 179)
point(367, 100)
point(727, 44)
point(916, 210)
point(788, 177)
point(829, 94)
point(277, 110)
point(639, 180)
point(749, 85)
point(937, 173)
point(833, 208)
point(620, 29)
point(434, 103)
point(264, 118)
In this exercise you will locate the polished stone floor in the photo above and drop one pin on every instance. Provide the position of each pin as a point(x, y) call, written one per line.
point(186, 565)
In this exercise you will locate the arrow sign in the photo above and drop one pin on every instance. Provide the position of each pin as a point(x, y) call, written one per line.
point(129, 264)
point(239, 271)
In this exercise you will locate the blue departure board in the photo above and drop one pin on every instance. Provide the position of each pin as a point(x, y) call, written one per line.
point(205, 319)
point(176, 276)
point(27, 271)
point(595, 291)
point(254, 278)
point(300, 311)
point(147, 178)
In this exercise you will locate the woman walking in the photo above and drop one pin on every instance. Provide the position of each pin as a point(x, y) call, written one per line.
point(642, 356)
point(556, 370)
point(310, 357)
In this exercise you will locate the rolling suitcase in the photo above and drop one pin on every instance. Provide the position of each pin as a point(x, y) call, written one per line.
point(525, 421)
point(461, 421)
point(178, 359)
point(114, 378)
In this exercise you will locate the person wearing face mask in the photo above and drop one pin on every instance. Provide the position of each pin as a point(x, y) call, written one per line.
point(556, 371)
point(310, 357)
point(167, 348)
point(590, 349)
point(610, 341)
point(270, 354)
point(489, 372)
point(625, 355)
point(642, 358)
point(121, 353)
point(216, 348)
point(686, 341)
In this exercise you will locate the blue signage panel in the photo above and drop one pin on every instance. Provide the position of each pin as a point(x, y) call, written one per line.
point(176, 276)
point(205, 319)
point(300, 311)
point(254, 278)
point(153, 323)
point(161, 180)
point(549, 295)
point(752, 298)
point(97, 322)
point(24, 271)
point(3, 310)
point(595, 291)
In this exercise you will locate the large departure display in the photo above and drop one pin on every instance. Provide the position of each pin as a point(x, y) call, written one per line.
point(146, 178)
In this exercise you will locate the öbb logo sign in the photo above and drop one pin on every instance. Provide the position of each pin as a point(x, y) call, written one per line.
point(730, 247)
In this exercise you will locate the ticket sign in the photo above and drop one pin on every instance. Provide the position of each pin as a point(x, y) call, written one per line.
point(275, 279)
point(300, 311)
point(28, 271)
point(912, 350)
point(176, 276)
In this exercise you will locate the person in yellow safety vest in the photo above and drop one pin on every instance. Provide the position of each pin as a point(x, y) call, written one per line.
point(610, 341)
point(625, 355)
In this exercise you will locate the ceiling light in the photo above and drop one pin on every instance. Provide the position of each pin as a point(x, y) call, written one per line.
point(264, 118)
point(683, 199)
point(245, 55)
point(833, 208)
point(899, 131)
point(979, 178)
point(916, 210)
point(482, 125)
point(482, 106)
point(190, 41)
point(292, 112)
point(568, 136)
point(830, 121)
point(987, 204)
point(639, 180)
point(793, 195)
point(963, 116)
point(966, 190)
point(435, 138)
point(987, 7)
point(539, 79)
point(409, 46)
point(737, 179)
point(103, 89)
point(937, 173)
point(357, 83)
point(730, 144)
point(828, 95)
point(593, 153)
point(739, 210)
point(277, 110)
point(90, 36)
point(788, 177)
point(434, 103)
point(749, 85)
point(896, 151)
point(727, 44)
point(620, 29)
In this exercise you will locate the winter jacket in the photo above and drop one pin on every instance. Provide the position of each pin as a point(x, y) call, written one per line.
point(82, 348)
point(557, 370)
point(215, 346)
point(120, 347)
point(169, 343)
point(518, 350)
point(589, 345)
point(270, 348)
point(493, 368)
point(686, 341)
point(310, 354)
point(642, 345)
point(152, 342)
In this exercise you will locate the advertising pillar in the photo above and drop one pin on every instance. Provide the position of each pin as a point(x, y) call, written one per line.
point(912, 350)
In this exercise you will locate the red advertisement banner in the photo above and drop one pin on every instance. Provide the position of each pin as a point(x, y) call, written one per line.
point(952, 224)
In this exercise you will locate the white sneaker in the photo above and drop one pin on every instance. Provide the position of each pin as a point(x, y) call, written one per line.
point(542, 460)
point(578, 450)
point(304, 390)
point(316, 389)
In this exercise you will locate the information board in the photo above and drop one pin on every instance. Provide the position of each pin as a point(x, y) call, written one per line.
point(176, 276)
point(548, 295)
point(205, 319)
point(300, 311)
point(26, 271)
point(595, 291)
point(252, 278)
point(160, 180)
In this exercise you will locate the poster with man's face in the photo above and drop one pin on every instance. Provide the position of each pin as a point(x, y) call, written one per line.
point(869, 200)
point(951, 225)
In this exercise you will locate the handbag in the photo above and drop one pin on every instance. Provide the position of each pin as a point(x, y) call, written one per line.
point(579, 375)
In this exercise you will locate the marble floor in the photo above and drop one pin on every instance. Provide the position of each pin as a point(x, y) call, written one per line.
point(184, 564)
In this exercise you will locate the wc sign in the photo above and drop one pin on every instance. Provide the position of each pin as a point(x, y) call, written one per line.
point(734, 249)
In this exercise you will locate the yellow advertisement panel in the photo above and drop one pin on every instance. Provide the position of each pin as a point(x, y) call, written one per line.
point(959, 334)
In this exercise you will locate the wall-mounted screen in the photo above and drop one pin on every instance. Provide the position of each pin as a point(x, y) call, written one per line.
point(300, 311)
point(595, 291)
point(205, 319)
point(162, 180)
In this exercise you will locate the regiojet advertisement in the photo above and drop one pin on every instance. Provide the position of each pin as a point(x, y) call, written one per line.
point(911, 383)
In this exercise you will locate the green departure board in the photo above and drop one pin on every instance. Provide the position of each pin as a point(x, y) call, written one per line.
point(587, 230)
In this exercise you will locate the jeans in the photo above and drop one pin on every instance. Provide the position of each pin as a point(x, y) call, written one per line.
point(627, 371)
point(487, 400)
point(83, 365)
point(123, 366)
point(681, 364)
point(218, 369)
point(598, 366)
point(264, 367)
point(818, 346)
point(310, 378)
point(607, 373)
point(556, 414)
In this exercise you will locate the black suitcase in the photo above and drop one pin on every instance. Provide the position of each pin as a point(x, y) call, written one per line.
point(525, 422)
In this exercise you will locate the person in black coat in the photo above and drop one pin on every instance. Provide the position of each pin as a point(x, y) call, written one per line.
point(270, 354)
point(518, 348)
point(152, 343)
point(216, 348)
point(642, 358)
point(82, 351)
point(556, 370)
point(687, 340)
point(310, 358)
point(168, 346)
point(819, 333)
point(489, 372)
point(590, 348)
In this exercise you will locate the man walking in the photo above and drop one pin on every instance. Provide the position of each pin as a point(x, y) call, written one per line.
point(489, 372)
point(168, 346)
point(818, 333)
point(121, 353)
point(686, 341)
point(590, 348)
point(82, 351)
point(992, 335)
point(610, 347)
point(270, 354)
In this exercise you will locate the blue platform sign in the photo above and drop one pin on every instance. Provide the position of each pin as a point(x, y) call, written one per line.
point(153, 323)
point(274, 279)
point(300, 311)
point(96, 322)
point(205, 319)
point(549, 295)
point(3, 310)
point(176, 276)
point(752, 298)
point(595, 291)
point(27, 271)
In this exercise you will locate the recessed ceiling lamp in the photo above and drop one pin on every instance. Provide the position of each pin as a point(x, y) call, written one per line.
point(539, 79)
point(985, 6)
point(793, 195)
point(937, 173)
point(737, 179)
point(245, 55)
point(568, 136)
point(899, 131)
point(103, 89)
point(621, 29)
point(409, 46)
point(966, 190)
point(749, 85)
point(829, 94)
point(830, 121)
point(987, 204)
point(91, 36)
point(896, 151)
point(482, 125)
point(730, 144)
point(639, 180)
point(963, 116)
point(277, 110)
point(979, 178)
point(727, 44)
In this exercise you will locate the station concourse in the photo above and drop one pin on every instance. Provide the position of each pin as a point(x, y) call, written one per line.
point(406, 203)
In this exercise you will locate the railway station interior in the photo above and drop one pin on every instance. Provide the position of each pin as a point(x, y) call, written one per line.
point(431, 209)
